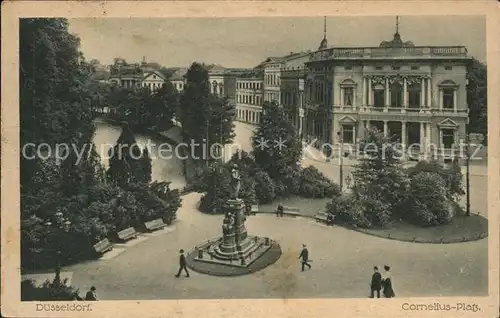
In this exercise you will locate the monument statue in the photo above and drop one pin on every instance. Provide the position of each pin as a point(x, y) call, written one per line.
point(235, 182)
point(228, 223)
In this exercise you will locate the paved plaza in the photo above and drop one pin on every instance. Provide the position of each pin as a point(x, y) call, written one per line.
point(342, 264)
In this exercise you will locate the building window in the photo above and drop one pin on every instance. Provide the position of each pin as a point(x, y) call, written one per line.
point(348, 96)
point(396, 95)
point(396, 67)
point(415, 67)
point(378, 68)
point(448, 98)
point(448, 68)
point(448, 138)
point(414, 96)
point(378, 98)
point(348, 134)
point(348, 68)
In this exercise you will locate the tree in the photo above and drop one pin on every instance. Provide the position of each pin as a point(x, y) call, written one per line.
point(477, 94)
point(217, 181)
point(146, 164)
point(195, 107)
point(265, 187)
point(221, 128)
point(53, 105)
point(275, 144)
point(380, 177)
point(164, 104)
point(126, 165)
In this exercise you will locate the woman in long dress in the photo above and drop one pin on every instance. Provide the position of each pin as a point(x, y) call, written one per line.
point(388, 290)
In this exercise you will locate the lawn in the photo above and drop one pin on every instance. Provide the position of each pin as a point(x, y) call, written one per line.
point(308, 207)
point(461, 229)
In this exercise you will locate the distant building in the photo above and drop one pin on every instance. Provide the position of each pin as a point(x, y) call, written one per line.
point(178, 78)
point(153, 80)
point(249, 95)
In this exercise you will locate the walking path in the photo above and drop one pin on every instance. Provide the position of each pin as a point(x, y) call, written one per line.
point(342, 262)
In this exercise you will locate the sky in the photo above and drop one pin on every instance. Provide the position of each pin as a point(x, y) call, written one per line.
point(244, 42)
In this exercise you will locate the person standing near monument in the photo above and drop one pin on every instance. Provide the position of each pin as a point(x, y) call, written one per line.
point(182, 264)
point(304, 254)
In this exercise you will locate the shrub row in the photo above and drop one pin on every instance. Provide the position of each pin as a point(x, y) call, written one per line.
point(429, 199)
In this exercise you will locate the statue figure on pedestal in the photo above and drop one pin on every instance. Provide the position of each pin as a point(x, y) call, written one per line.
point(228, 223)
point(235, 182)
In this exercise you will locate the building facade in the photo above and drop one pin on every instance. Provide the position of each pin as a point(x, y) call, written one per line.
point(414, 94)
point(153, 80)
point(249, 96)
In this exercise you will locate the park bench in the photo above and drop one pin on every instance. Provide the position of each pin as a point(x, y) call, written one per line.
point(292, 211)
point(103, 246)
point(127, 234)
point(321, 217)
point(254, 210)
point(154, 225)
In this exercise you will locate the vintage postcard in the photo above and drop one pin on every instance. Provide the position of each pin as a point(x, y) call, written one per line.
point(250, 159)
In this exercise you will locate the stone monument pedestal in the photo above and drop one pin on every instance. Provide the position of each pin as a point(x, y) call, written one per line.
point(236, 252)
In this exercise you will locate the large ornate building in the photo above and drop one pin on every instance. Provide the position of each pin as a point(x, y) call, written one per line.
point(414, 94)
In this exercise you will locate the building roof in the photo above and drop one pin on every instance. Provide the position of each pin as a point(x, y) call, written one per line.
point(100, 76)
point(216, 68)
point(282, 59)
point(157, 73)
point(178, 74)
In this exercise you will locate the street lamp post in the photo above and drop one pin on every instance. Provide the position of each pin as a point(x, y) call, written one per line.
point(341, 157)
point(65, 225)
point(467, 173)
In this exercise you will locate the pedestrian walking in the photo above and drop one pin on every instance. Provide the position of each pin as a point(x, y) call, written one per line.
point(387, 283)
point(182, 264)
point(376, 283)
point(91, 294)
point(304, 255)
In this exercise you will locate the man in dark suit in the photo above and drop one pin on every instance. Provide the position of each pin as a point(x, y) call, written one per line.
point(376, 283)
point(91, 294)
point(304, 254)
point(182, 264)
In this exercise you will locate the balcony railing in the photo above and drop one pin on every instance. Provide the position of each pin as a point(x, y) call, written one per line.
point(400, 110)
point(380, 52)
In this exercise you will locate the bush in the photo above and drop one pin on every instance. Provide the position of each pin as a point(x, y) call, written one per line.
point(428, 202)
point(313, 184)
point(265, 187)
point(348, 211)
point(198, 179)
point(376, 211)
point(452, 176)
point(291, 180)
point(49, 291)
